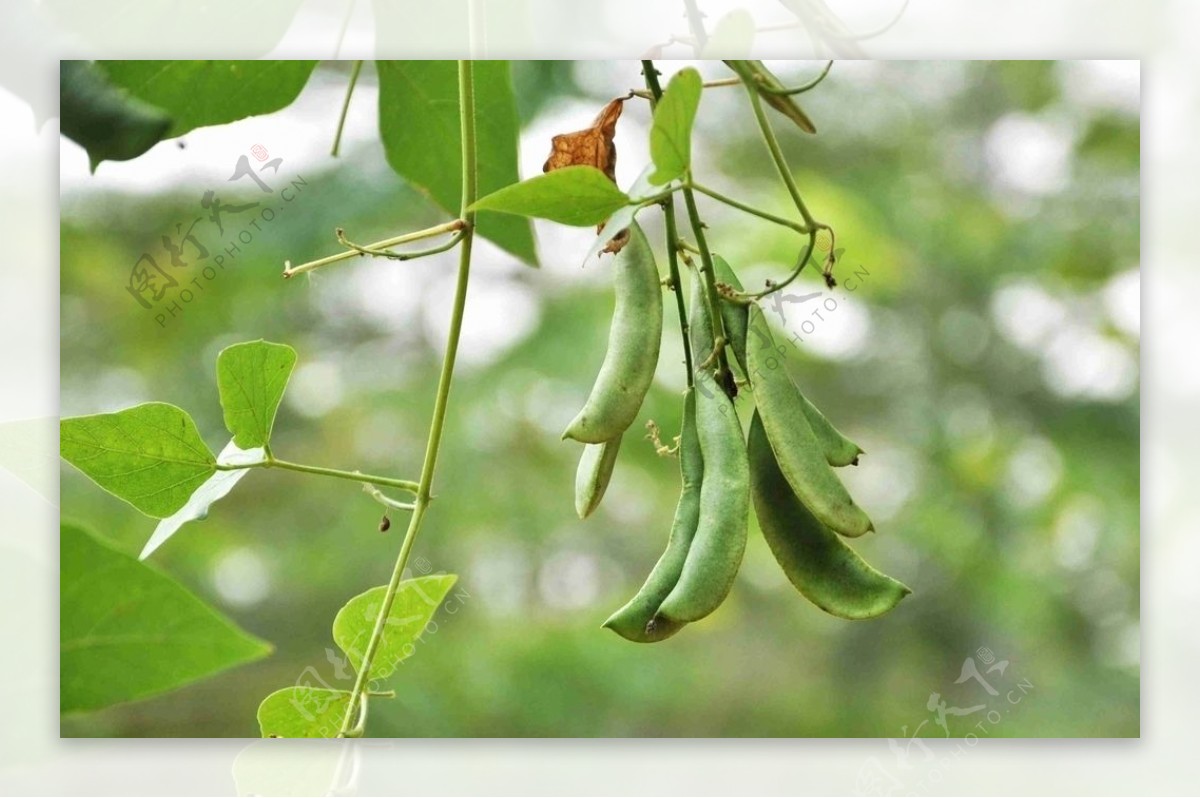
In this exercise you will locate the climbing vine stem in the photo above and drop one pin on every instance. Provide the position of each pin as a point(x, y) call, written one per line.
point(724, 374)
point(668, 206)
point(466, 101)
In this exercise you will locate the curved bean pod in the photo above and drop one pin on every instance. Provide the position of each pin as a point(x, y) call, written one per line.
point(700, 330)
point(591, 478)
point(839, 450)
point(716, 554)
point(735, 315)
point(800, 454)
point(825, 570)
point(633, 343)
point(636, 620)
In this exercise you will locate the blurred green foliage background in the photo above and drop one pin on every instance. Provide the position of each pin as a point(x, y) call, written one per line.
point(986, 359)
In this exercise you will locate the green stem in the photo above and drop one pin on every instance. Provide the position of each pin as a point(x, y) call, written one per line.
point(668, 206)
point(449, 244)
point(784, 91)
point(337, 137)
point(724, 375)
point(353, 476)
point(800, 264)
point(429, 232)
point(378, 495)
point(741, 206)
point(781, 165)
point(466, 95)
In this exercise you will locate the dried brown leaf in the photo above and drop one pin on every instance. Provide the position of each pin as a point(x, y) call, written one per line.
point(592, 146)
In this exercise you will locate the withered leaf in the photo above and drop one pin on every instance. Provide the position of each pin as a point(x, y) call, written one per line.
point(593, 146)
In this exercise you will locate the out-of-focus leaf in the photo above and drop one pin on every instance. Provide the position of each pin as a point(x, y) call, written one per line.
point(251, 378)
point(671, 133)
point(128, 631)
point(150, 455)
point(416, 601)
point(199, 93)
point(216, 488)
point(732, 35)
point(754, 74)
point(303, 711)
point(576, 195)
point(105, 120)
point(420, 127)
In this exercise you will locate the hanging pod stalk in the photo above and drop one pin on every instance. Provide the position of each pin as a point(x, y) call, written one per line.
point(716, 553)
point(633, 344)
point(636, 620)
point(800, 454)
point(822, 567)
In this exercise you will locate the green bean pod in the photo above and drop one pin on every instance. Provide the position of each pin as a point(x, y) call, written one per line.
point(800, 454)
point(735, 315)
point(825, 570)
point(839, 450)
point(633, 343)
point(716, 553)
point(700, 329)
point(591, 478)
point(634, 620)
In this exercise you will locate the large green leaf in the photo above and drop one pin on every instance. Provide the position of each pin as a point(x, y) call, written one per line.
point(576, 195)
point(419, 125)
point(416, 601)
point(104, 119)
point(303, 711)
point(199, 93)
point(251, 378)
point(671, 132)
point(150, 455)
point(128, 631)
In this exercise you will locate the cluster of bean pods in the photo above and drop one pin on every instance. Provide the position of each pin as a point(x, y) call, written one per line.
point(784, 465)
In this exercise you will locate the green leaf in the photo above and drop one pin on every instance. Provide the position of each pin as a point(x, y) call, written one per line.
point(416, 601)
point(422, 138)
point(102, 118)
point(639, 192)
point(251, 378)
point(303, 711)
point(581, 196)
point(213, 490)
point(199, 93)
point(128, 631)
point(150, 455)
point(671, 133)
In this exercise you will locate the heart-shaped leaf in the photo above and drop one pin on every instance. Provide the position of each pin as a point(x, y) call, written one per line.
point(671, 133)
point(251, 378)
point(150, 455)
point(303, 711)
point(415, 603)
